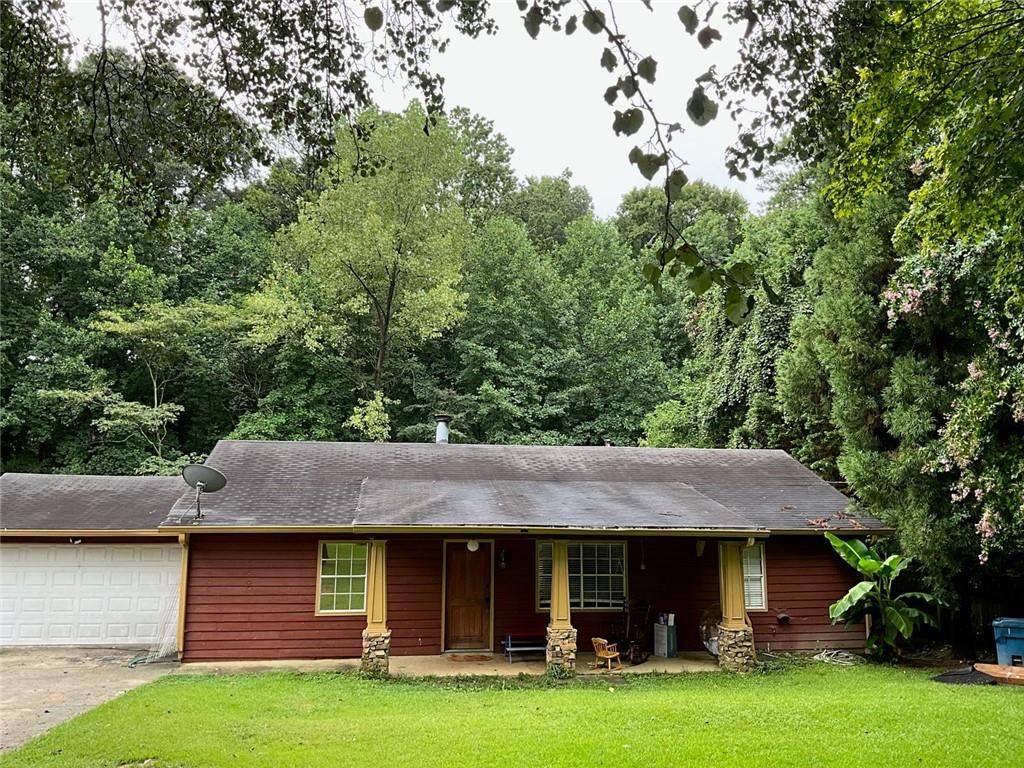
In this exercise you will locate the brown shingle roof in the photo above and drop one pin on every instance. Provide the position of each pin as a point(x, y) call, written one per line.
point(424, 484)
point(85, 502)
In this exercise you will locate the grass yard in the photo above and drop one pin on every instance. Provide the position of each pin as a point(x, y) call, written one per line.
point(807, 716)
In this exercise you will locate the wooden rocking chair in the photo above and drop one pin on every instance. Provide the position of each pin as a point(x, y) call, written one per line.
point(606, 653)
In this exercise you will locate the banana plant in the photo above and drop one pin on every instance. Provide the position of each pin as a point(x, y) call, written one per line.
point(893, 618)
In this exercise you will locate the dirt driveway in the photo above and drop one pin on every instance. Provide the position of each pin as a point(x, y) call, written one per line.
point(43, 687)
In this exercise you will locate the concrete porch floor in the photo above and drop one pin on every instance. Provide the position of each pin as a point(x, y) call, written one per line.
point(449, 665)
point(497, 664)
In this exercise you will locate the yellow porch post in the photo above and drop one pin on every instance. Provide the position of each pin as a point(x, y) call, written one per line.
point(560, 618)
point(735, 636)
point(376, 636)
point(734, 614)
point(182, 590)
point(561, 637)
point(376, 588)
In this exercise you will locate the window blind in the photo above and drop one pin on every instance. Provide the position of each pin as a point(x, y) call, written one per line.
point(753, 577)
point(597, 574)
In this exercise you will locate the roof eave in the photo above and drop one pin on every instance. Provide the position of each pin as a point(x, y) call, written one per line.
point(848, 530)
point(463, 529)
point(90, 532)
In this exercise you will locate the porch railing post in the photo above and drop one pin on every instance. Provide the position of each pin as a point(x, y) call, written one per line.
point(734, 613)
point(376, 636)
point(735, 635)
point(561, 636)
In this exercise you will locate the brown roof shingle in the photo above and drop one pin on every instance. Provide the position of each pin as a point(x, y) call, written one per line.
point(424, 484)
point(85, 502)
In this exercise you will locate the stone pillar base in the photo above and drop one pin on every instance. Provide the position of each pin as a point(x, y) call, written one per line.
point(376, 646)
point(736, 649)
point(561, 650)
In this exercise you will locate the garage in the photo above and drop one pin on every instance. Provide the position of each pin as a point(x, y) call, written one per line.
point(88, 594)
point(82, 561)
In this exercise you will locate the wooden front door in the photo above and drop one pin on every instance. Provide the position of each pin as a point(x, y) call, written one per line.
point(467, 589)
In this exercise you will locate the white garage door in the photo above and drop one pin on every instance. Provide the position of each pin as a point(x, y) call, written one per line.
point(88, 594)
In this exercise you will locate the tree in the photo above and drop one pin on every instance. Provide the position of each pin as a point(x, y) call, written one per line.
point(547, 205)
point(621, 375)
point(370, 418)
point(164, 135)
point(915, 104)
point(276, 200)
point(724, 393)
point(641, 215)
point(708, 217)
point(876, 86)
point(221, 251)
point(387, 244)
point(163, 343)
point(302, 66)
point(514, 349)
point(487, 181)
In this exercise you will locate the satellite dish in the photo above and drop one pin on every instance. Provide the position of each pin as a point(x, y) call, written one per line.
point(205, 480)
point(197, 475)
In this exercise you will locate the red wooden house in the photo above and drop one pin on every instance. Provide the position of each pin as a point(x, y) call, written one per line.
point(333, 550)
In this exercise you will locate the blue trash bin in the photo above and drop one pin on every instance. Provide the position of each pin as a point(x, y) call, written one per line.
point(1009, 642)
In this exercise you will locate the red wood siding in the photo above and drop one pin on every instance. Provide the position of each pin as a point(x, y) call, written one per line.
point(515, 588)
point(804, 576)
point(414, 595)
point(251, 596)
point(674, 580)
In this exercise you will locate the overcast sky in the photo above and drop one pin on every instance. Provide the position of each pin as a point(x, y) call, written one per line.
point(546, 95)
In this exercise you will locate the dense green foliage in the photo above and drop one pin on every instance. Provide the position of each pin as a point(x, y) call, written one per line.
point(893, 358)
point(350, 305)
point(779, 719)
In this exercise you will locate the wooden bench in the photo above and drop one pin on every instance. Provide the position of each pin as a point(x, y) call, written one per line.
point(523, 642)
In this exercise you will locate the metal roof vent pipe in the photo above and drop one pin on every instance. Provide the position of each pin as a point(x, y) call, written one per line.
point(441, 435)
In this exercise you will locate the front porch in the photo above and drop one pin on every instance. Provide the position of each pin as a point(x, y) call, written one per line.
point(581, 593)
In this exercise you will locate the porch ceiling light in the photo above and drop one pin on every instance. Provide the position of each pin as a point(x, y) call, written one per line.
point(472, 545)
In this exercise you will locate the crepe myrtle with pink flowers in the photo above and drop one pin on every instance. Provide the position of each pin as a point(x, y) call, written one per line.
point(980, 446)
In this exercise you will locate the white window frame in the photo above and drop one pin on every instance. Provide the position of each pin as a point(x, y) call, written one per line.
point(750, 577)
point(320, 576)
point(574, 605)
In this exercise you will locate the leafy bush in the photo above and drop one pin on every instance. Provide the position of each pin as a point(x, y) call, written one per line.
point(892, 619)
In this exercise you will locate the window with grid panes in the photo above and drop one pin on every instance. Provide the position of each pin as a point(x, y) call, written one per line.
point(342, 587)
point(597, 574)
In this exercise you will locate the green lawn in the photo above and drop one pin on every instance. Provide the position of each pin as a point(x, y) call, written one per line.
point(808, 716)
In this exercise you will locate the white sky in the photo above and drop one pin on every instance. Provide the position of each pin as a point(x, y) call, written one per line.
point(546, 95)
